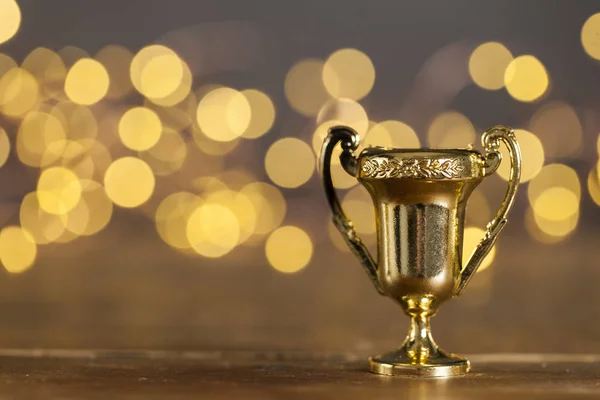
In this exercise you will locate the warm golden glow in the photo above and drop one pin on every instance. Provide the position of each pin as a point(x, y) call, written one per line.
point(10, 19)
point(269, 205)
point(71, 54)
point(344, 112)
point(551, 231)
point(358, 206)
point(48, 69)
point(290, 162)
point(41, 139)
point(556, 203)
point(348, 73)
point(92, 213)
point(488, 63)
point(181, 91)
point(179, 116)
point(87, 82)
point(17, 249)
point(223, 114)
point(451, 130)
point(168, 154)
point(43, 226)
point(289, 249)
point(392, 134)
point(4, 147)
point(116, 59)
point(129, 182)
point(554, 175)
point(558, 127)
point(19, 92)
point(304, 88)
point(213, 230)
point(6, 64)
point(526, 78)
point(172, 217)
point(58, 190)
point(78, 121)
point(471, 237)
point(531, 150)
point(139, 128)
point(590, 36)
point(593, 183)
point(242, 207)
point(262, 113)
point(212, 147)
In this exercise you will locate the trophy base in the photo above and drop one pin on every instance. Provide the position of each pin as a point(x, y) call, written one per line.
point(400, 363)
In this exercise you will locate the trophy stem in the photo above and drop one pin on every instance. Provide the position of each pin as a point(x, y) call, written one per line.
point(419, 355)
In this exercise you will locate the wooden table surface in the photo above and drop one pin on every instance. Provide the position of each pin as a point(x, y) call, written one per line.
point(30, 374)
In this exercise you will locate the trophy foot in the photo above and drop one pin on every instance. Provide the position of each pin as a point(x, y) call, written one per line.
point(400, 362)
point(419, 355)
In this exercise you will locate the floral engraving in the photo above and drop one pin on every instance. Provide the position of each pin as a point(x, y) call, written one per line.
point(426, 168)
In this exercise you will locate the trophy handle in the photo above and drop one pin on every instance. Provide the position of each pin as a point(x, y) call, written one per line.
point(349, 140)
point(491, 143)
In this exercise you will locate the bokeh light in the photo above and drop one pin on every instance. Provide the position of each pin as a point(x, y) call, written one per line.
point(304, 87)
point(289, 249)
point(78, 121)
point(358, 206)
point(48, 69)
point(269, 205)
point(593, 184)
point(156, 71)
point(223, 114)
point(556, 203)
point(213, 230)
point(344, 112)
point(471, 237)
point(17, 249)
point(168, 154)
point(348, 73)
point(488, 63)
point(550, 231)
point(532, 152)
point(43, 226)
point(451, 130)
point(554, 175)
point(526, 78)
point(172, 218)
point(10, 19)
point(4, 147)
point(392, 134)
point(92, 213)
point(262, 113)
point(129, 182)
point(590, 36)
point(181, 91)
point(87, 82)
point(289, 162)
point(41, 139)
point(19, 92)
point(559, 128)
point(116, 59)
point(58, 190)
point(139, 128)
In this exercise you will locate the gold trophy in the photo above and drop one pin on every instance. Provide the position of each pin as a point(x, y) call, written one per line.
point(420, 199)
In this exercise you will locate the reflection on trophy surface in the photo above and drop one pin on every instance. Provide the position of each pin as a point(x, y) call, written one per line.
point(420, 198)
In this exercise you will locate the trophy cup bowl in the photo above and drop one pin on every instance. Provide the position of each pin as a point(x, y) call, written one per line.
point(420, 199)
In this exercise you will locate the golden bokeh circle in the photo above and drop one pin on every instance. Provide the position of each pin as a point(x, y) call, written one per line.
point(451, 130)
point(116, 59)
point(559, 128)
point(213, 230)
point(392, 133)
point(48, 69)
point(590, 36)
point(304, 88)
point(156, 71)
point(526, 78)
point(41, 139)
point(58, 190)
point(348, 73)
point(531, 150)
point(556, 203)
point(10, 19)
point(554, 175)
point(289, 249)
point(43, 226)
point(172, 218)
point(139, 128)
point(269, 205)
point(262, 113)
point(19, 92)
point(4, 147)
point(17, 249)
point(223, 114)
point(471, 237)
point(87, 82)
point(488, 63)
point(129, 182)
point(344, 112)
point(289, 162)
